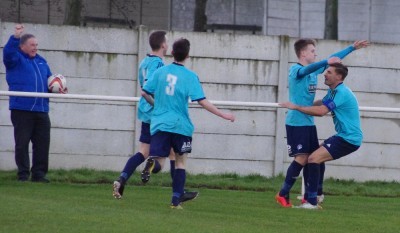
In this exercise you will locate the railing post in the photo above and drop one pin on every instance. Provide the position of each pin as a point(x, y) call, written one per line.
point(142, 46)
point(280, 143)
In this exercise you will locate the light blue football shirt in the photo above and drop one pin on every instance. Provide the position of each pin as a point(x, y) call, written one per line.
point(146, 69)
point(172, 86)
point(303, 82)
point(302, 93)
point(345, 113)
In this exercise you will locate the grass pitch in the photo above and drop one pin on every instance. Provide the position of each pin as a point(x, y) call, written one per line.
point(70, 207)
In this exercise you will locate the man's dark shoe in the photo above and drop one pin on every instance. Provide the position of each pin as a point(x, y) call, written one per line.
point(145, 176)
point(118, 189)
point(187, 196)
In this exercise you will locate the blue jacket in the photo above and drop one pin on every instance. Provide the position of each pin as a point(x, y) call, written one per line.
point(25, 74)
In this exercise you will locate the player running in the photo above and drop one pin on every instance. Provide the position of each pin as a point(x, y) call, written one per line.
point(172, 86)
point(153, 61)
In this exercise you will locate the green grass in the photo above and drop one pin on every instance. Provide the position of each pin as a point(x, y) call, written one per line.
point(81, 201)
point(222, 181)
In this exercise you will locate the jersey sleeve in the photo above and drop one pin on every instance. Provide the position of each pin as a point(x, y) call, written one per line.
point(329, 103)
point(316, 66)
point(343, 53)
point(196, 93)
point(337, 99)
point(151, 84)
point(294, 70)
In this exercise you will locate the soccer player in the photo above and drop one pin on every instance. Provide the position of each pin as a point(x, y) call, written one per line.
point(153, 61)
point(172, 86)
point(343, 105)
point(301, 132)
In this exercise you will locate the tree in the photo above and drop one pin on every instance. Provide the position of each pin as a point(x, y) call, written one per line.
point(331, 19)
point(200, 18)
point(73, 9)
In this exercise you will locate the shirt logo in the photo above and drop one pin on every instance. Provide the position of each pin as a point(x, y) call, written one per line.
point(328, 145)
point(312, 88)
point(299, 147)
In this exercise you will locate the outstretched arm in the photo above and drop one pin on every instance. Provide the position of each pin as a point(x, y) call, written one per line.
point(358, 44)
point(317, 65)
point(320, 110)
point(211, 108)
point(11, 48)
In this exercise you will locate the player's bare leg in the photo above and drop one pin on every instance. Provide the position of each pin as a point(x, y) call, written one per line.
point(172, 163)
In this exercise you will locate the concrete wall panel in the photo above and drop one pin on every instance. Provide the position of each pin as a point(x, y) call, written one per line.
point(233, 147)
point(216, 45)
point(241, 167)
point(103, 134)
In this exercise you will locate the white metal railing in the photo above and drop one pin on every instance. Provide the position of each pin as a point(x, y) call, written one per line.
point(136, 99)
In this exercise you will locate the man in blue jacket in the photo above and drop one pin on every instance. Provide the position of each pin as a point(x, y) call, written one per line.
point(27, 71)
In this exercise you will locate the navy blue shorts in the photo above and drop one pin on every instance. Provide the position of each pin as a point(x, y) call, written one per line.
point(162, 142)
point(145, 135)
point(338, 147)
point(301, 139)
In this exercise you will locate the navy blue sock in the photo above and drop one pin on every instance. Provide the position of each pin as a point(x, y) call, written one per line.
point(178, 185)
point(131, 165)
point(313, 180)
point(172, 168)
point(157, 167)
point(321, 179)
point(291, 176)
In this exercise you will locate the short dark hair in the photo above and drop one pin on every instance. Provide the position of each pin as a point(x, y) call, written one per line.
point(156, 39)
point(180, 49)
point(24, 38)
point(340, 69)
point(301, 44)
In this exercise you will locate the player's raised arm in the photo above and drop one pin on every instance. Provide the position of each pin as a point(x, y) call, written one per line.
point(359, 44)
point(317, 65)
point(211, 108)
point(11, 48)
point(19, 29)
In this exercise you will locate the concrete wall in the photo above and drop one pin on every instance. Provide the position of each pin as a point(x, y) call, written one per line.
point(102, 135)
point(374, 20)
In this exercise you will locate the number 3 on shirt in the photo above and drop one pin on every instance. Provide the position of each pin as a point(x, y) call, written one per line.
point(170, 89)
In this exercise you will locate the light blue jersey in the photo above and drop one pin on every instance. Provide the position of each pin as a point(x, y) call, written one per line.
point(172, 86)
point(147, 67)
point(302, 93)
point(303, 82)
point(345, 113)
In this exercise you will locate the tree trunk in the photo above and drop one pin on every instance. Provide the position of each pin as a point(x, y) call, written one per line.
point(73, 10)
point(200, 18)
point(331, 20)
